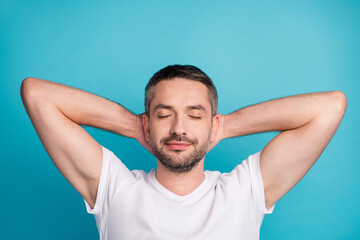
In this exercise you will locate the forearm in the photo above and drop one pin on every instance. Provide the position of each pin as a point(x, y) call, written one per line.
point(281, 114)
point(82, 107)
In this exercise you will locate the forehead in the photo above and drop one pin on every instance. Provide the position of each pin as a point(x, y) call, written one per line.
point(180, 92)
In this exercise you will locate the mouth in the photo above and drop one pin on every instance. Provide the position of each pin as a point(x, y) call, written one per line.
point(177, 145)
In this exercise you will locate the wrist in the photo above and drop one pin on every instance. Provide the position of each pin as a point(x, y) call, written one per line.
point(138, 129)
point(222, 126)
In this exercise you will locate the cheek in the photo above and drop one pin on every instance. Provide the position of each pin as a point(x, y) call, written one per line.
point(158, 130)
point(202, 131)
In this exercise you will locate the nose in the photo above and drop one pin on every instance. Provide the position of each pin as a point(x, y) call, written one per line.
point(178, 127)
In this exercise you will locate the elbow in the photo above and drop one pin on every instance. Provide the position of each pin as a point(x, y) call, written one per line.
point(27, 88)
point(335, 104)
point(340, 101)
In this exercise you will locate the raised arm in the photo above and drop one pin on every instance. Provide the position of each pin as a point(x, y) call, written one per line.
point(57, 111)
point(307, 121)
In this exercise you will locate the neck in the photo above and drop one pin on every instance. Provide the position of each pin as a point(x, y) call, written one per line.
point(180, 183)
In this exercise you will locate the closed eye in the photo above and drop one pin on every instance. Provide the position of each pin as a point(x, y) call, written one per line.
point(195, 117)
point(163, 116)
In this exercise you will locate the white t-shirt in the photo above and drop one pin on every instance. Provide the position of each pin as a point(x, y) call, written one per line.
point(134, 205)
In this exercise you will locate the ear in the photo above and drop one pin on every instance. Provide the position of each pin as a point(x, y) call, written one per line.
point(215, 127)
point(145, 123)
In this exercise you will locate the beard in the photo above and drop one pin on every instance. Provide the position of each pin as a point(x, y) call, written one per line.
point(179, 164)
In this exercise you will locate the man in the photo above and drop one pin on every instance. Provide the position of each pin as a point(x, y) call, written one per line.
point(179, 200)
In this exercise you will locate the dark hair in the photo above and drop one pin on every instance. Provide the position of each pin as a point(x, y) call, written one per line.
point(181, 71)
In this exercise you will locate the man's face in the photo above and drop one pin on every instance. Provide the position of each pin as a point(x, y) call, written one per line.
point(179, 129)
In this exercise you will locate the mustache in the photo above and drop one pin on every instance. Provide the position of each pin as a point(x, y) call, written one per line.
point(179, 138)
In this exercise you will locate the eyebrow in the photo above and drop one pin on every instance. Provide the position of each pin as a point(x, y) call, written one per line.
point(195, 107)
point(159, 106)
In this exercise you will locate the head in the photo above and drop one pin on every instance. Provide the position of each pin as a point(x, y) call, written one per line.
point(181, 116)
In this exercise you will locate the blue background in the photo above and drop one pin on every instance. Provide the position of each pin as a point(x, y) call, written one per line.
point(253, 50)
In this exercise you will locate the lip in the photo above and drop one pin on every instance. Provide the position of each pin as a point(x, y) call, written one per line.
point(177, 145)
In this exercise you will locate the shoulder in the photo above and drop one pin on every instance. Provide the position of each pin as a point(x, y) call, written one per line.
point(246, 171)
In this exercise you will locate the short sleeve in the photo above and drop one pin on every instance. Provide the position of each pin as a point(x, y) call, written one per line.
point(113, 175)
point(248, 176)
point(257, 182)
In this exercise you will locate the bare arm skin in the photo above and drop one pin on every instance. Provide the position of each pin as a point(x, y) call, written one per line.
point(307, 121)
point(57, 111)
